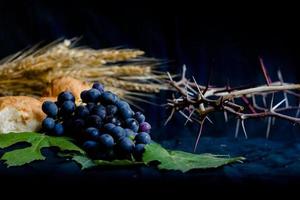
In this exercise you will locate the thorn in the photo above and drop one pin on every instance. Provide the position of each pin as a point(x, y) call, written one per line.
point(191, 113)
point(265, 72)
point(225, 116)
point(287, 100)
point(170, 77)
point(199, 135)
point(198, 88)
point(183, 72)
point(209, 120)
point(268, 127)
point(272, 100)
point(237, 127)
point(298, 110)
point(277, 105)
point(254, 101)
point(279, 74)
point(186, 91)
point(170, 117)
point(183, 114)
point(244, 130)
point(264, 101)
point(189, 87)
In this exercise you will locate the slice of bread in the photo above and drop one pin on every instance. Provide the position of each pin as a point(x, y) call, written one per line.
point(23, 113)
point(20, 114)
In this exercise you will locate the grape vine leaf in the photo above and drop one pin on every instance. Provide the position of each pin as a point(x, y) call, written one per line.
point(168, 160)
point(18, 157)
point(183, 161)
point(87, 163)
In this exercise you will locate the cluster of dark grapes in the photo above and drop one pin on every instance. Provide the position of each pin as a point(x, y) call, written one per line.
point(104, 125)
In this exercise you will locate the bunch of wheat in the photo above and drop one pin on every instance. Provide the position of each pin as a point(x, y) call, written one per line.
point(124, 71)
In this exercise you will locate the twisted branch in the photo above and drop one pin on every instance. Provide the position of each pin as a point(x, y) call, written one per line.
point(196, 102)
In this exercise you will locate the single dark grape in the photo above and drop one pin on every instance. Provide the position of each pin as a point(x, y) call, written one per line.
point(106, 141)
point(138, 151)
point(145, 127)
point(121, 104)
point(50, 108)
point(48, 124)
point(111, 110)
point(108, 127)
point(65, 96)
point(142, 138)
point(83, 96)
point(58, 129)
point(140, 117)
point(94, 121)
point(99, 110)
point(92, 133)
point(91, 146)
point(75, 126)
point(126, 145)
point(90, 106)
point(125, 113)
point(98, 86)
point(82, 112)
point(117, 132)
point(67, 108)
point(93, 95)
point(113, 120)
point(129, 133)
point(108, 98)
point(132, 124)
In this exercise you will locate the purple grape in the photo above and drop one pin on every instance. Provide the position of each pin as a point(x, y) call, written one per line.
point(139, 117)
point(93, 95)
point(98, 86)
point(100, 111)
point(126, 145)
point(50, 108)
point(92, 133)
point(142, 138)
point(138, 151)
point(58, 129)
point(67, 108)
point(106, 141)
point(132, 124)
point(82, 112)
point(48, 124)
point(129, 133)
point(145, 127)
point(65, 96)
point(108, 98)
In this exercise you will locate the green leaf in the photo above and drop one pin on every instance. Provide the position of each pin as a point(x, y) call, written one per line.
point(168, 160)
point(183, 161)
point(87, 163)
point(37, 141)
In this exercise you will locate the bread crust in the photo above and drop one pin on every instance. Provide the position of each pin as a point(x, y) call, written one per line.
point(67, 84)
point(24, 113)
point(25, 104)
point(20, 113)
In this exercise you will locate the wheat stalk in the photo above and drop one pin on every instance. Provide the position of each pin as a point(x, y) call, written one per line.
point(122, 70)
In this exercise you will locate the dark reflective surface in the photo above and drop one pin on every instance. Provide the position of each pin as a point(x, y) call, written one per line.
point(228, 44)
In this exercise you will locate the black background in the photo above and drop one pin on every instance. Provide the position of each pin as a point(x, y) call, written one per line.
point(227, 40)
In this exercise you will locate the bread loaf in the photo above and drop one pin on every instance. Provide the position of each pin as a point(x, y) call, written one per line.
point(20, 114)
